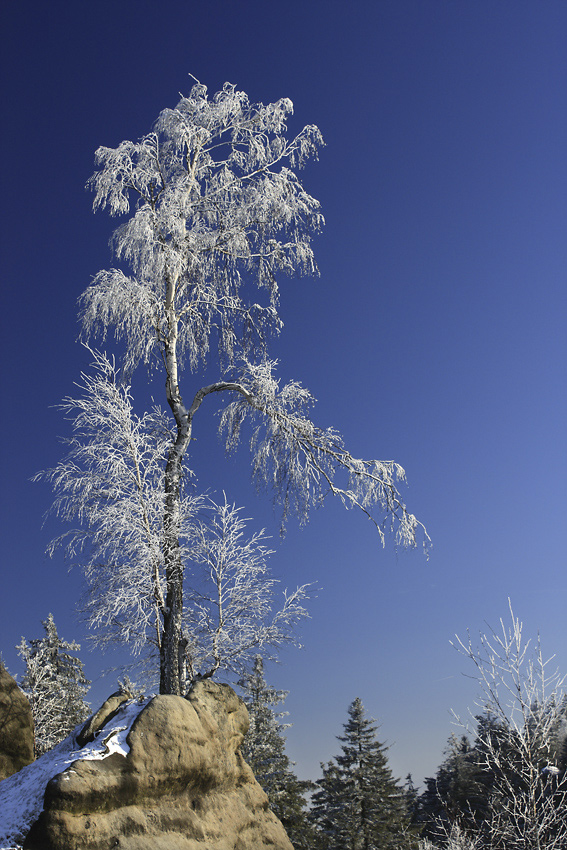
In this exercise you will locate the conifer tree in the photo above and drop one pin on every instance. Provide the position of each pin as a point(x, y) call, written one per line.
point(458, 792)
point(412, 798)
point(55, 684)
point(359, 805)
point(264, 750)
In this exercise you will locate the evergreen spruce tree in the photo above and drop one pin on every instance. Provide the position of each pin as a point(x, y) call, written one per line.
point(457, 794)
point(264, 750)
point(55, 684)
point(412, 798)
point(359, 805)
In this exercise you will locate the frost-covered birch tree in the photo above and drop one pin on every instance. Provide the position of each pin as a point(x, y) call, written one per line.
point(521, 740)
point(214, 214)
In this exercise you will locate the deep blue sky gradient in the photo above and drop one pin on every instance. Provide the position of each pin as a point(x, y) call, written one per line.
point(435, 334)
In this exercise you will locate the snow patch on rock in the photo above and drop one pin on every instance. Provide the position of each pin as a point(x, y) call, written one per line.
point(21, 795)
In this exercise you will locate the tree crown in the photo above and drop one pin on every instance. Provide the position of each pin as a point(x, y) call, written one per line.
point(214, 203)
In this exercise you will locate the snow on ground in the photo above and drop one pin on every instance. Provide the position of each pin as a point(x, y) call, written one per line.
point(21, 795)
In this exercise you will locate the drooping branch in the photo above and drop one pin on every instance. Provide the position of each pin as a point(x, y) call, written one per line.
point(300, 463)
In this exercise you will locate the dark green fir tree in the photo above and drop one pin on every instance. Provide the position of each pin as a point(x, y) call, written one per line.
point(55, 684)
point(358, 804)
point(456, 795)
point(264, 750)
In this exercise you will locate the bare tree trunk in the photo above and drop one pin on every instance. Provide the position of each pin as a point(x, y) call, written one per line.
point(170, 656)
point(172, 619)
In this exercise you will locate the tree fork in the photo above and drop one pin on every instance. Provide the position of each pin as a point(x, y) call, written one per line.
point(172, 649)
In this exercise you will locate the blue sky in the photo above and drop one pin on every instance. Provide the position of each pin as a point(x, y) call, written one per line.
point(435, 335)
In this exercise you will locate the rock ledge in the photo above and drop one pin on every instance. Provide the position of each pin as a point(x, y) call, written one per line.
point(16, 727)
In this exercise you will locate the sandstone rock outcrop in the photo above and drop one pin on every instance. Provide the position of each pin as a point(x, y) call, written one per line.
point(106, 712)
point(182, 786)
point(16, 726)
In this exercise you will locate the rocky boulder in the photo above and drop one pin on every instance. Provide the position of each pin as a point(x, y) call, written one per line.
point(16, 726)
point(106, 712)
point(183, 785)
